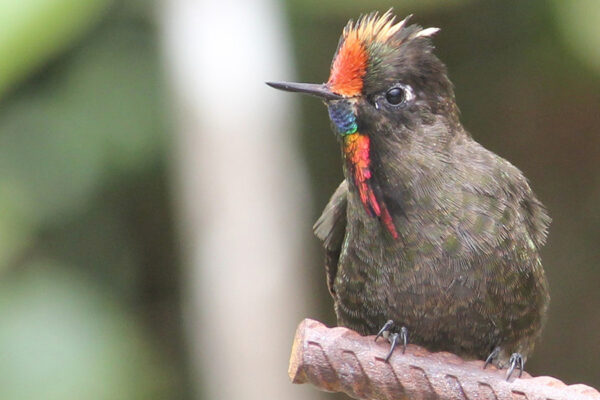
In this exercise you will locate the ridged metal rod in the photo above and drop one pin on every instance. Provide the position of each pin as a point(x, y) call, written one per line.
point(340, 360)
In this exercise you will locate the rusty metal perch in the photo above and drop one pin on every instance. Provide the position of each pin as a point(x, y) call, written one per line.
point(340, 360)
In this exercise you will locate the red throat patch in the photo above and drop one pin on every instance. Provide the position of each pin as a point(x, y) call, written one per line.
point(357, 152)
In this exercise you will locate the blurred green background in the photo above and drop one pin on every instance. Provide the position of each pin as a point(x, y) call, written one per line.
point(90, 271)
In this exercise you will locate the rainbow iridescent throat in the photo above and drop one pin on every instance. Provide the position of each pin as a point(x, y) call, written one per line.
point(357, 149)
point(343, 117)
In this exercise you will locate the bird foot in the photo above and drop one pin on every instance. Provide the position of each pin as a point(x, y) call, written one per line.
point(516, 360)
point(393, 337)
point(493, 355)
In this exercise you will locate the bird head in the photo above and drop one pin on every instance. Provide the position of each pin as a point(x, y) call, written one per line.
point(385, 85)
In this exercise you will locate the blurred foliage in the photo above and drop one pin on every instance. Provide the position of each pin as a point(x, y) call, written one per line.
point(351, 9)
point(100, 114)
point(84, 200)
point(34, 30)
point(578, 22)
point(62, 339)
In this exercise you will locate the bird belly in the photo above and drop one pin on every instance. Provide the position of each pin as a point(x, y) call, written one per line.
point(442, 309)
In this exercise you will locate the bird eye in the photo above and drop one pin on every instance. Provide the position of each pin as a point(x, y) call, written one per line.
point(395, 96)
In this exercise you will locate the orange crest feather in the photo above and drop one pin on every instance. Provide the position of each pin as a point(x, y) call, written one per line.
point(350, 64)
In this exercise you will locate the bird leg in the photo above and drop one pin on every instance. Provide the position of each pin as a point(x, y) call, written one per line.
point(493, 355)
point(516, 361)
point(393, 337)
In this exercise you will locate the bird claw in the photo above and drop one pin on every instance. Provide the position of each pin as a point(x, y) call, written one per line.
point(493, 355)
point(385, 329)
point(516, 361)
point(404, 337)
point(393, 338)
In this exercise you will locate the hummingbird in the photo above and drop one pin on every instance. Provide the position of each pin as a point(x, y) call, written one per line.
point(429, 235)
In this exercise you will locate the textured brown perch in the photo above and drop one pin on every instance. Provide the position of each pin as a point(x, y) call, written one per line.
point(340, 360)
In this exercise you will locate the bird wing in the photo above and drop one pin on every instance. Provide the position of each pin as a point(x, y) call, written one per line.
point(330, 229)
point(537, 219)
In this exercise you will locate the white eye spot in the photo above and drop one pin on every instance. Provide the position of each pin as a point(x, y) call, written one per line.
point(409, 93)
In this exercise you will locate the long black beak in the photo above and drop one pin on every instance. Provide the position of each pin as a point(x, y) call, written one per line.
point(315, 89)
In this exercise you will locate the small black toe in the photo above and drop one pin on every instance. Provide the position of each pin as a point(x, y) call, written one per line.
point(404, 337)
point(493, 355)
point(394, 341)
point(385, 328)
point(516, 361)
point(393, 337)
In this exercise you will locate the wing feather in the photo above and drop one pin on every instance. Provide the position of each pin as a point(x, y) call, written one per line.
point(330, 229)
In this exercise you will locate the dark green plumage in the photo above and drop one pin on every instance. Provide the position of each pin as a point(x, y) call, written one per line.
point(464, 274)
